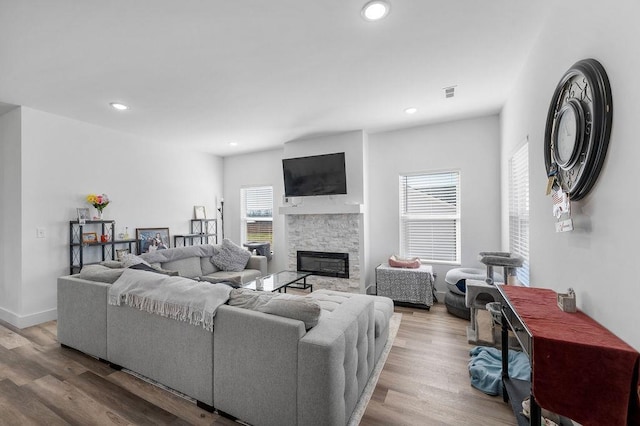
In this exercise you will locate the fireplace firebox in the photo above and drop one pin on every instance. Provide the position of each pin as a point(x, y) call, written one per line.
point(327, 264)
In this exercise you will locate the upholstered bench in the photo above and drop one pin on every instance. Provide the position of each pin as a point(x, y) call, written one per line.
point(329, 300)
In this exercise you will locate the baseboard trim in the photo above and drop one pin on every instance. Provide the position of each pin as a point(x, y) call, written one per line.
point(27, 320)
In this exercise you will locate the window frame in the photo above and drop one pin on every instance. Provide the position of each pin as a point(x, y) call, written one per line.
point(519, 209)
point(245, 220)
point(405, 218)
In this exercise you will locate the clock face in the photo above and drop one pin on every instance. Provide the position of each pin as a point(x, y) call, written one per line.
point(566, 136)
point(578, 128)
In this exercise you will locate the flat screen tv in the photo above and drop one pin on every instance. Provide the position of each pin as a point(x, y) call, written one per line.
point(315, 175)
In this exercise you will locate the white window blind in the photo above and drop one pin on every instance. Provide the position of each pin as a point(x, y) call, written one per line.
point(430, 216)
point(257, 214)
point(519, 209)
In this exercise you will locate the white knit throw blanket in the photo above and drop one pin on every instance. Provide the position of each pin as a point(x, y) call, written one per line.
point(174, 297)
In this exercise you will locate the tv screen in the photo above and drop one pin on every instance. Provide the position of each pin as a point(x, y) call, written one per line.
point(315, 175)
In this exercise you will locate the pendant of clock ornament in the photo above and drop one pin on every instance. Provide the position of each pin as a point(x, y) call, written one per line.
point(578, 128)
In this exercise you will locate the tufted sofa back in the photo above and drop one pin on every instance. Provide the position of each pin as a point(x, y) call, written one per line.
point(342, 352)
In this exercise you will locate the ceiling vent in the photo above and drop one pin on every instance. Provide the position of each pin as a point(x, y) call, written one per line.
point(449, 92)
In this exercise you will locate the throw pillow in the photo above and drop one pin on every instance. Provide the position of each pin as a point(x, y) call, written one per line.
point(131, 259)
point(296, 307)
point(100, 273)
point(234, 281)
point(300, 308)
point(143, 267)
point(111, 263)
point(231, 257)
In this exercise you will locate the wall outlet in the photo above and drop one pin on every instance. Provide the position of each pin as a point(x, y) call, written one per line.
point(40, 233)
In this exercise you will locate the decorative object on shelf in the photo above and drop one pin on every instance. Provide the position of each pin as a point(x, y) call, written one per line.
point(126, 233)
point(221, 210)
point(199, 212)
point(104, 238)
point(83, 215)
point(152, 239)
point(578, 129)
point(99, 201)
point(89, 237)
point(567, 301)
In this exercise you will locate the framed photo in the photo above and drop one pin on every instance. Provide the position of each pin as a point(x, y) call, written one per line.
point(120, 253)
point(89, 237)
point(199, 212)
point(152, 239)
point(83, 215)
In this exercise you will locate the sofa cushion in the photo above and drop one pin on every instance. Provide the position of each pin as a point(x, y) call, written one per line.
point(301, 308)
point(231, 257)
point(188, 267)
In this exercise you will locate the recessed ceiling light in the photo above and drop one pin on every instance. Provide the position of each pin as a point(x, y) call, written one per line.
point(375, 10)
point(411, 110)
point(118, 106)
point(233, 143)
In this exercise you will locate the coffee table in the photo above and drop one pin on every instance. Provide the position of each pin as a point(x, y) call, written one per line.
point(281, 280)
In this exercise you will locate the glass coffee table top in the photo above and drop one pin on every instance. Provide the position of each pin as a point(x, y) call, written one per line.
point(275, 282)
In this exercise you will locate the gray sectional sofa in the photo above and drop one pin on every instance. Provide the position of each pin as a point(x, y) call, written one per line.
point(261, 368)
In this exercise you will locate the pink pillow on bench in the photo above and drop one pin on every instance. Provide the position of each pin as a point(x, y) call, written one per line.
point(396, 262)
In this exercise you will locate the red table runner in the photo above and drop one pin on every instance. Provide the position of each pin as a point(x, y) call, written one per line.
point(580, 369)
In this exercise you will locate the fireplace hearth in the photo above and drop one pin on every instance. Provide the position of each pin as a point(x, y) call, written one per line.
point(323, 263)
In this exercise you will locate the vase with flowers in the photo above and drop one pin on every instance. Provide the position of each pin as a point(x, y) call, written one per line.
point(99, 202)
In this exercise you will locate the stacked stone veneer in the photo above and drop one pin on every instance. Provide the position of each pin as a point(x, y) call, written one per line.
point(338, 233)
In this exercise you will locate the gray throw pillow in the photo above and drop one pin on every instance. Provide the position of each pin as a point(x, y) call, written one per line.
point(231, 257)
point(131, 259)
point(100, 273)
point(237, 280)
point(301, 308)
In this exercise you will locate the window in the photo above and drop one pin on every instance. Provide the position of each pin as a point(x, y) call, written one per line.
point(257, 214)
point(519, 209)
point(430, 217)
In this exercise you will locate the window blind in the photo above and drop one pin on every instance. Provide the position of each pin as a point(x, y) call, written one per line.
point(519, 209)
point(257, 214)
point(430, 216)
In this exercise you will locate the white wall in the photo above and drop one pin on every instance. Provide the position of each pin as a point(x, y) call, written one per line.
point(10, 202)
point(598, 259)
point(471, 146)
point(256, 169)
point(63, 160)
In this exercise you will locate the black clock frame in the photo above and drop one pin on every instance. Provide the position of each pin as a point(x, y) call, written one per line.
point(594, 111)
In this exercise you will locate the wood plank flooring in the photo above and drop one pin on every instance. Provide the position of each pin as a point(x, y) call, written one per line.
point(425, 381)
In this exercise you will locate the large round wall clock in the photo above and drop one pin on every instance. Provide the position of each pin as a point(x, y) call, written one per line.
point(578, 128)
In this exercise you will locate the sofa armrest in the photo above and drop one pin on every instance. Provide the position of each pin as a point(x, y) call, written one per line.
point(82, 315)
point(334, 363)
point(255, 359)
point(259, 263)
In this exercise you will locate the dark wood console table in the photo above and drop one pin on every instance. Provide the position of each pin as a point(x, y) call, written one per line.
point(579, 369)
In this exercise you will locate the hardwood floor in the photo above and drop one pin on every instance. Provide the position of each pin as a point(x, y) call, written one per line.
point(425, 381)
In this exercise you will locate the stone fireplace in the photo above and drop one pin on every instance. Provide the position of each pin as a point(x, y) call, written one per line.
point(335, 233)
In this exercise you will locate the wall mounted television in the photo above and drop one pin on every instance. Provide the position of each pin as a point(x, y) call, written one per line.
point(315, 175)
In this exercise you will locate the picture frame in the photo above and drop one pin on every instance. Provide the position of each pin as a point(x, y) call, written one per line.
point(89, 237)
point(121, 252)
point(83, 215)
point(152, 239)
point(199, 212)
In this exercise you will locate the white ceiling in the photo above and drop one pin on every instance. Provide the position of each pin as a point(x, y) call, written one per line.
point(204, 73)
